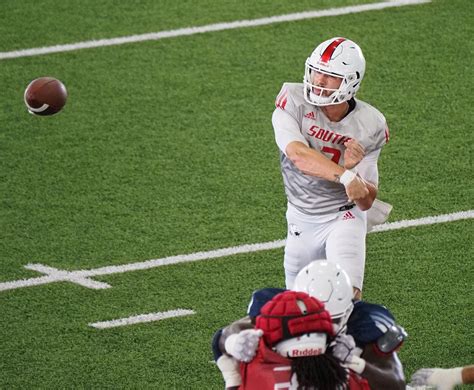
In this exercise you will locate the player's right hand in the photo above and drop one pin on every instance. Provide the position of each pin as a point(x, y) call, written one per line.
point(343, 347)
point(442, 378)
point(356, 189)
point(421, 376)
point(353, 154)
point(243, 345)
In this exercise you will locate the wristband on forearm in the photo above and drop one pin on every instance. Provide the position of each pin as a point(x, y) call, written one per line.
point(356, 364)
point(230, 370)
point(347, 177)
point(450, 376)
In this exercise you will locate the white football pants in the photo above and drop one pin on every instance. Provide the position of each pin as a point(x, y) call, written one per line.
point(338, 237)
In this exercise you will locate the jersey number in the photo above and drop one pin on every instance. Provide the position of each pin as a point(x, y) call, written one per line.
point(336, 153)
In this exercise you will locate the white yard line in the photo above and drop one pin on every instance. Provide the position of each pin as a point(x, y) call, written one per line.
point(82, 277)
point(150, 317)
point(208, 28)
point(424, 221)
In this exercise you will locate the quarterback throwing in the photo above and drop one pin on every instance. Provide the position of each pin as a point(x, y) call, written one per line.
point(329, 146)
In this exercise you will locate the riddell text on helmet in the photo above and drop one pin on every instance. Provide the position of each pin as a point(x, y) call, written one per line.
point(306, 352)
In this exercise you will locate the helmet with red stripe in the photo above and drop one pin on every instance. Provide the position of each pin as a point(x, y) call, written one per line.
point(337, 57)
point(295, 324)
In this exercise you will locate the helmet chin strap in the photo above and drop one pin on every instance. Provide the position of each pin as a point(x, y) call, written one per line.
point(341, 325)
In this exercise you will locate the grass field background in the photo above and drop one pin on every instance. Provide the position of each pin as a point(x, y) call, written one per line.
point(166, 147)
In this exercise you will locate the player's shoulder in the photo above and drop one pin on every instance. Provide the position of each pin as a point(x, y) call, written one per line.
point(374, 124)
point(369, 112)
point(260, 297)
point(290, 95)
point(368, 322)
point(295, 89)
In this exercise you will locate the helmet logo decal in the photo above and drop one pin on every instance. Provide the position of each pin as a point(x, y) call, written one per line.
point(307, 352)
point(327, 54)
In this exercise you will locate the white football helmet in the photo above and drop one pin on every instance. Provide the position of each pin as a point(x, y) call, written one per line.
point(330, 284)
point(337, 57)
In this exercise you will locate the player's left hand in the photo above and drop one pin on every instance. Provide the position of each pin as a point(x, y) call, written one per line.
point(356, 189)
point(353, 154)
point(243, 345)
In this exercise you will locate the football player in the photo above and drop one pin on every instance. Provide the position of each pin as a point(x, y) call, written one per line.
point(367, 334)
point(329, 144)
point(294, 349)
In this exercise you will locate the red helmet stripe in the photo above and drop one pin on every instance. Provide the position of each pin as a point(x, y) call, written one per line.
point(327, 54)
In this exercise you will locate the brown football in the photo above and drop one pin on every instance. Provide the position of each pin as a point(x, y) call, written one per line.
point(45, 96)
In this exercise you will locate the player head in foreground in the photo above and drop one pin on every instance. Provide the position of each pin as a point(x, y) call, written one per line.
point(294, 349)
point(366, 335)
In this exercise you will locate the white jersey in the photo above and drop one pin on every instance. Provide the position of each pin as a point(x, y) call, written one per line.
point(296, 120)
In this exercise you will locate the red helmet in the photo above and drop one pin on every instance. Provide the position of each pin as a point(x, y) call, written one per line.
point(291, 314)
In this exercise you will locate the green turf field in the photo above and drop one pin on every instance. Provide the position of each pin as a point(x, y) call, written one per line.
point(166, 148)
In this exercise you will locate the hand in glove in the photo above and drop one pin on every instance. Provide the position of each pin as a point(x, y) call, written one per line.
point(243, 346)
point(444, 379)
point(343, 347)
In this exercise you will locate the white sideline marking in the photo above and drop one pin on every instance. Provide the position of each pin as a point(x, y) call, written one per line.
point(82, 276)
point(208, 28)
point(423, 221)
point(142, 318)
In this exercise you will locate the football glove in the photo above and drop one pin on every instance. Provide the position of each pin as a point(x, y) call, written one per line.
point(343, 347)
point(243, 346)
point(444, 379)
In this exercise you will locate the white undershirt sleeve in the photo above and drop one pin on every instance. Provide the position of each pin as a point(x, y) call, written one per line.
point(287, 129)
